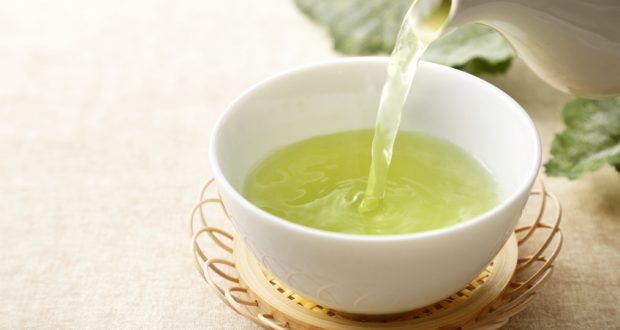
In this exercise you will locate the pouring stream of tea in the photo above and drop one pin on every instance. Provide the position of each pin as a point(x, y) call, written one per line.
point(421, 26)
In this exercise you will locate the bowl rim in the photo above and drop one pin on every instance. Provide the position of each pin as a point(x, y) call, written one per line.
point(222, 182)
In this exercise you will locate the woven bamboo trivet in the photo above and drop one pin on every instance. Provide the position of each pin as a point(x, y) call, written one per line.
point(502, 290)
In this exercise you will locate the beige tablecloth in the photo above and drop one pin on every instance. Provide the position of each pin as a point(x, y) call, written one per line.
point(105, 112)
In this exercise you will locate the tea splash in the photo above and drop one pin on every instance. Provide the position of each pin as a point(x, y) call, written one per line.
point(421, 26)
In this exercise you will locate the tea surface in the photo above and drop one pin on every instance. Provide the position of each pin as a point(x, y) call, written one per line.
point(320, 183)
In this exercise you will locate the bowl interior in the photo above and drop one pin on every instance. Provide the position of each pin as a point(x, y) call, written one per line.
point(344, 95)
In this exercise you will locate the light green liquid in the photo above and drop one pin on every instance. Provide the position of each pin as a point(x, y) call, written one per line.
point(421, 26)
point(415, 183)
point(320, 183)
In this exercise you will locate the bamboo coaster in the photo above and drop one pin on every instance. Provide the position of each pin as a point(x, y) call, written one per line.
point(502, 290)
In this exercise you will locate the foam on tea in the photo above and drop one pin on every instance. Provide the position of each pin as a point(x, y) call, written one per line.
point(320, 182)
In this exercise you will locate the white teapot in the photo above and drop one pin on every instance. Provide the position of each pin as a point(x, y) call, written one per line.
point(574, 45)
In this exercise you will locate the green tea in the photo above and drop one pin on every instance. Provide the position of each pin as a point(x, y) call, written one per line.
point(320, 183)
point(415, 183)
point(421, 26)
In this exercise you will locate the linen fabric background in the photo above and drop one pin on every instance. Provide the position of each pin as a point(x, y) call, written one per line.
point(105, 112)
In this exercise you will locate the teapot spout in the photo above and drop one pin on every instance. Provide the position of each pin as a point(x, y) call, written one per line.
point(573, 45)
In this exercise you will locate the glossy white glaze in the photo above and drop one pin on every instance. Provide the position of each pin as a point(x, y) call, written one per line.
point(374, 274)
point(574, 45)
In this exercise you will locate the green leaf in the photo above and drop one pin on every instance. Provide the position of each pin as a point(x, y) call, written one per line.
point(358, 27)
point(473, 48)
point(363, 27)
point(591, 138)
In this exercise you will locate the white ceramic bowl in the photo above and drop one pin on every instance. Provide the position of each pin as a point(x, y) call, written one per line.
point(374, 274)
